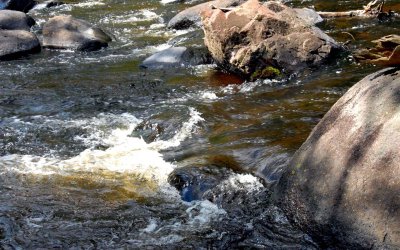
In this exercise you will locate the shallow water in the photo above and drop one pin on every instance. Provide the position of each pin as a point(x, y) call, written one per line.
point(92, 147)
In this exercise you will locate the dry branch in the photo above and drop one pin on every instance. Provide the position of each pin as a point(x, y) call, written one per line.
point(372, 10)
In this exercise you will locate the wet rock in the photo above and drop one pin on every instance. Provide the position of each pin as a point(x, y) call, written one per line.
point(343, 184)
point(264, 40)
point(386, 52)
point(192, 182)
point(15, 20)
point(16, 43)
point(66, 32)
point(177, 57)
point(191, 16)
point(18, 5)
point(54, 4)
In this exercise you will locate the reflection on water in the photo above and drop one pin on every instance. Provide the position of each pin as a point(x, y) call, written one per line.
point(88, 140)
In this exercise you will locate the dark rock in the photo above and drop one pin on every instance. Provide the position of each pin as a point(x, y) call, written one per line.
point(191, 16)
point(343, 184)
point(53, 4)
point(16, 43)
point(177, 57)
point(66, 32)
point(264, 40)
point(18, 5)
point(195, 181)
point(192, 182)
point(15, 20)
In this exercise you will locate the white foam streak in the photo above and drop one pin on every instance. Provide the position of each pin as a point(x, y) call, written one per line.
point(188, 128)
point(124, 153)
point(203, 212)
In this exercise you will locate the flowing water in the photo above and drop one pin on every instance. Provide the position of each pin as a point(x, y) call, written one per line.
point(97, 153)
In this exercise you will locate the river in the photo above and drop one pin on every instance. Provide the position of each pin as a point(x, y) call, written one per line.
point(92, 147)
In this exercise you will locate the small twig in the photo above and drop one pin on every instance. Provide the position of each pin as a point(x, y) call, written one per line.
point(368, 11)
point(348, 33)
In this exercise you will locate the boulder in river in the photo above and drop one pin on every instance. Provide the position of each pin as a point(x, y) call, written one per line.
point(177, 57)
point(15, 20)
point(343, 184)
point(66, 32)
point(16, 43)
point(19, 5)
point(191, 16)
point(264, 40)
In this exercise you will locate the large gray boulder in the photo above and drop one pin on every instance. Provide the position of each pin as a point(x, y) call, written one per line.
point(191, 16)
point(343, 184)
point(66, 32)
point(177, 57)
point(18, 5)
point(15, 38)
point(16, 43)
point(265, 40)
point(15, 20)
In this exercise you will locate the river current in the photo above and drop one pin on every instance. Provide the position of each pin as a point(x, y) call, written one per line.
point(98, 153)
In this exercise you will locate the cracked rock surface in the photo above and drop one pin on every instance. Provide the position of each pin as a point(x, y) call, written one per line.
point(258, 40)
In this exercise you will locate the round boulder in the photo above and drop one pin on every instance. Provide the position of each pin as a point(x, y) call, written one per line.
point(66, 32)
point(343, 184)
point(177, 57)
point(15, 20)
point(16, 43)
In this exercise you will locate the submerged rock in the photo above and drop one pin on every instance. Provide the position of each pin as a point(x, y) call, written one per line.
point(191, 16)
point(16, 43)
point(265, 40)
point(192, 182)
point(18, 5)
point(15, 20)
point(66, 32)
point(343, 184)
point(386, 52)
point(177, 57)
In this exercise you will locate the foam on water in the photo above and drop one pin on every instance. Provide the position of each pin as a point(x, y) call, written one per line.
point(133, 16)
point(89, 4)
point(188, 128)
point(125, 154)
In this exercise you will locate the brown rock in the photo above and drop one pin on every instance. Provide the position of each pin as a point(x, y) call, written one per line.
point(191, 16)
point(386, 52)
point(343, 184)
point(256, 38)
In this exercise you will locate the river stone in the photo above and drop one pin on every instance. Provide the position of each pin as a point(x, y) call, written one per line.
point(66, 32)
point(264, 40)
point(18, 5)
point(15, 43)
point(177, 57)
point(15, 20)
point(386, 52)
point(343, 184)
point(191, 16)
